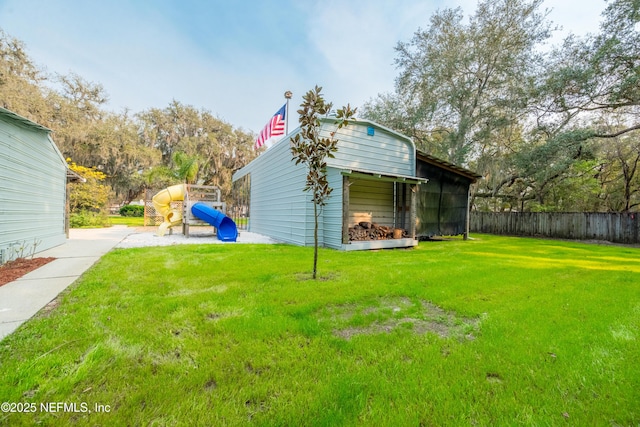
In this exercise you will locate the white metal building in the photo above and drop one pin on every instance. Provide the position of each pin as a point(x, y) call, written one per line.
point(373, 176)
point(33, 176)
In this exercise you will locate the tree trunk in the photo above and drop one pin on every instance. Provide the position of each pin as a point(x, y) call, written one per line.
point(315, 240)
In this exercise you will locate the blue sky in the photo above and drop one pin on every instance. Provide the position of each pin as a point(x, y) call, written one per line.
point(236, 58)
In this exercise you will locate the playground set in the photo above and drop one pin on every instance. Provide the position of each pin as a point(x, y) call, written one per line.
point(197, 205)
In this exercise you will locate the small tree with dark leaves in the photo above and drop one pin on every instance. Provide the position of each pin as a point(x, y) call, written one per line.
point(309, 148)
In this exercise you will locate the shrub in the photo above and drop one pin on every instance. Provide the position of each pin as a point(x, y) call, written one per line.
point(86, 218)
point(91, 195)
point(132, 210)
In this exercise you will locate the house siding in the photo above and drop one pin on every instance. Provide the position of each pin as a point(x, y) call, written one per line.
point(282, 210)
point(332, 212)
point(32, 187)
point(371, 201)
point(279, 206)
point(384, 152)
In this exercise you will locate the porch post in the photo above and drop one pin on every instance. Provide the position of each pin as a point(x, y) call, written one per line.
point(468, 214)
point(414, 202)
point(345, 209)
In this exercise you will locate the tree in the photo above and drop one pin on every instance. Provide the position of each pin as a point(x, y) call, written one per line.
point(219, 148)
point(598, 74)
point(464, 92)
point(88, 200)
point(536, 124)
point(21, 82)
point(467, 83)
point(619, 171)
point(311, 149)
point(587, 84)
point(186, 167)
point(133, 151)
point(118, 151)
point(76, 112)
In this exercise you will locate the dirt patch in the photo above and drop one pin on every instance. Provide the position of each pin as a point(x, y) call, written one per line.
point(493, 377)
point(49, 308)
point(15, 269)
point(387, 314)
point(302, 277)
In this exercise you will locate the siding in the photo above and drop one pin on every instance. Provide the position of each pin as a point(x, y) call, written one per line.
point(32, 187)
point(282, 210)
point(384, 152)
point(371, 201)
point(332, 212)
point(279, 206)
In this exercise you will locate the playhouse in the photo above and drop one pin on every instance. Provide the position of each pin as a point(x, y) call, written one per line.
point(374, 198)
point(186, 205)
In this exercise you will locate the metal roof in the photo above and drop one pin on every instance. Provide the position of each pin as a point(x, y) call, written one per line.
point(367, 122)
point(23, 121)
point(473, 176)
point(383, 175)
point(29, 124)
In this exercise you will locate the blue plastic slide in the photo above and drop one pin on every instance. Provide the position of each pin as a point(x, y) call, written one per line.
point(227, 230)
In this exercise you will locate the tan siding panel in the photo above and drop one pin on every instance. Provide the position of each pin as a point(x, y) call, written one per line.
point(371, 201)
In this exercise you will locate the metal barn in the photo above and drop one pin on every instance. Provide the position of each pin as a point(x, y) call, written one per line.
point(373, 203)
point(33, 176)
point(443, 202)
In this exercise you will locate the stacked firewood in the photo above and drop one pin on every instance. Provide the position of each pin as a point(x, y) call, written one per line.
point(371, 231)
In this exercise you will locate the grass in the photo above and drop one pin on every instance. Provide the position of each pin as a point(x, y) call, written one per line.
point(126, 220)
point(494, 331)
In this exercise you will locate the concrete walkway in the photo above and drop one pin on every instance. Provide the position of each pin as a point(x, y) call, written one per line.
point(23, 298)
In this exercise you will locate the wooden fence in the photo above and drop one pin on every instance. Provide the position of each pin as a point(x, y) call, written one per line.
point(612, 227)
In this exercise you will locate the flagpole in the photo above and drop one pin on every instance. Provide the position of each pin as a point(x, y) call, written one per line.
point(288, 94)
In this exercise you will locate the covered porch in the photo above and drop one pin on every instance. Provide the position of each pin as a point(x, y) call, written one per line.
point(378, 210)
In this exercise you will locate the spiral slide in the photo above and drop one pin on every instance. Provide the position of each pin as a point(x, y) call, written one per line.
point(162, 202)
point(227, 230)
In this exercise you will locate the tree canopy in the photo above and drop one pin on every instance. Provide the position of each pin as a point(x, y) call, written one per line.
point(549, 129)
point(135, 151)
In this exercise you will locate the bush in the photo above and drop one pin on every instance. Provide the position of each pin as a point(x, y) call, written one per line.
point(86, 218)
point(91, 195)
point(132, 210)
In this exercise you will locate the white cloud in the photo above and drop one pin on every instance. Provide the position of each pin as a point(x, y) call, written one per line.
point(357, 40)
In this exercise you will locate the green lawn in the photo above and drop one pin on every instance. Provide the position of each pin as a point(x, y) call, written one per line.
point(130, 221)
point(494, 331)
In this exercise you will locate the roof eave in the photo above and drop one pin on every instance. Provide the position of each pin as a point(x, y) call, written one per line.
point(23, 120)
point(459, 170)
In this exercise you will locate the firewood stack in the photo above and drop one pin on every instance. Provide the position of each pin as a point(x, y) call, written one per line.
point(371, 231)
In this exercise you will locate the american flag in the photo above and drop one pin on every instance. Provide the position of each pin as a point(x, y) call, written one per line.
point(275, 127)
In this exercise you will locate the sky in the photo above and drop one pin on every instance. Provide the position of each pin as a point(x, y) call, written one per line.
point(236, 59)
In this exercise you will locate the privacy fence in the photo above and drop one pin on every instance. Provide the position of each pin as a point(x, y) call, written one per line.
point(612, 227)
